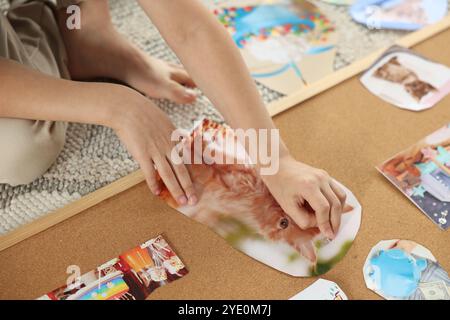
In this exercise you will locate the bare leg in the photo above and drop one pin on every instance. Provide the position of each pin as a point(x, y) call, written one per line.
point(98, 50)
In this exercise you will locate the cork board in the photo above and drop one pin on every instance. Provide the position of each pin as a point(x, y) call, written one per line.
point(344, 130)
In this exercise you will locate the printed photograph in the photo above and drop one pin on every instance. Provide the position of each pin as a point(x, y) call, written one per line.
point(134, 275)
point(235, 203)
point(407, 80)
point(321, 290)
point(405, 270)
point(286, 44)
point(398, 14)
point(422, 173)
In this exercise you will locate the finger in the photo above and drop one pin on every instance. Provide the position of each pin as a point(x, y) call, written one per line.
point(340, 193)
point(182, 77)
point(168, 176)
point(394, 244)
point(185, 180)
point(307, 250)
point(180, 94)
point(312, 216)
point(347, 208)
point(336, 207)
point(148, 169)
point(301, 216)
point(321, 207)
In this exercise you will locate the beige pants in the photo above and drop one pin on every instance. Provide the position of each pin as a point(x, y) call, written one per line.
point(29, 34)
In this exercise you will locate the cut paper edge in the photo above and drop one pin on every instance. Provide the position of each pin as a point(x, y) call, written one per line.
point(347, 234)
point(321, 290)
point(289, 77)
point(277, 254)
point(407, 197)
point(359, 8)
point(437, 137)
point(426, 102)
point(418, 250)
point(132, 275)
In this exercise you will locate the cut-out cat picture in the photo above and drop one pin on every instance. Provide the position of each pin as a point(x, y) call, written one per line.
point(422, 173)
point(407, 80)
point(285, 44)
point(236, 204)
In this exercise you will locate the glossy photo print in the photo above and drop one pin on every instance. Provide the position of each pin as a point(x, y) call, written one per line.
point(407, 80)
point(134, 275)
point(321, 290)
point(237, 205)
point(405, 270)
point(285, 44)
point(398, 14)
point(422, 173)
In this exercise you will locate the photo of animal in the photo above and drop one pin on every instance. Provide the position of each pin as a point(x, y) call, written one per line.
point(407, 80)
point(410, 11)
point(398, 14)
point(394, 71)
point(235, 203)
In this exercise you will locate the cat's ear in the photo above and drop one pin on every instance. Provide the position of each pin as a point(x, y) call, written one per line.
point(394, 60)
point(430, 87)
point(381, 71)
point(377, 73)
point(239, 178)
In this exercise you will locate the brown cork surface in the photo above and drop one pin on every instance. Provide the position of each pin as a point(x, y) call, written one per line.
point(345, 130)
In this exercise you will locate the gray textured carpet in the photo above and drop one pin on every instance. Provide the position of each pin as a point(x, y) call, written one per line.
point(94, 157)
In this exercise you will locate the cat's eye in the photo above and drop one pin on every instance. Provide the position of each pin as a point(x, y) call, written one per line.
point(284, 223)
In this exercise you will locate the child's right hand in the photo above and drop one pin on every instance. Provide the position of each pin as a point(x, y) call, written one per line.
point(146, 131)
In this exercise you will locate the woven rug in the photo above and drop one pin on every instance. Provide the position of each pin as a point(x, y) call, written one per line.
point(94, 157)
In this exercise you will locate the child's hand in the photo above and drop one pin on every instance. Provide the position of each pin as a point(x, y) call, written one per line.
point(146, 131)
point(308, 195)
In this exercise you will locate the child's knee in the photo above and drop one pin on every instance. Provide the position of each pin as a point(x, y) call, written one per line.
point(28, 148)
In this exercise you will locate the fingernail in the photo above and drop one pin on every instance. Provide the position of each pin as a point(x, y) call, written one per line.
point(190, 93)
point(182, 200)
point(193, 200)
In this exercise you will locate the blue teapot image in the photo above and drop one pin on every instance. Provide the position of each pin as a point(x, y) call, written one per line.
point(396, 273)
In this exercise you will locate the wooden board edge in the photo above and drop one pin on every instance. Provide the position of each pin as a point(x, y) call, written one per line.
point(353, 69)
point(70, 210)
point(274, 108)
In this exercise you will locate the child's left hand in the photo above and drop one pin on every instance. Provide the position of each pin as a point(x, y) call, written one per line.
point(308, 195)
